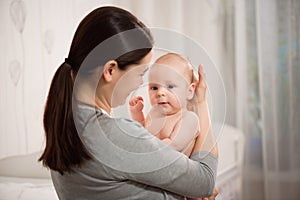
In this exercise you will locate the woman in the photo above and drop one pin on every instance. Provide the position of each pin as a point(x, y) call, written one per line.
point(94, 156)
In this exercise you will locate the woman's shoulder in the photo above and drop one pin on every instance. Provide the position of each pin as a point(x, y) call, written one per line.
point(126, 125)
point(119, 121)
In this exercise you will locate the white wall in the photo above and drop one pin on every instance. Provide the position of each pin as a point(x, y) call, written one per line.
point(30, 55)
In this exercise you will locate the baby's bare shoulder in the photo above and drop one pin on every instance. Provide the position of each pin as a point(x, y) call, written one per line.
point(189, 115)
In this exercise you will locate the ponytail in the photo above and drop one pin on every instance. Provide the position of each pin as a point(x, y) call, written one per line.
point(64, 148)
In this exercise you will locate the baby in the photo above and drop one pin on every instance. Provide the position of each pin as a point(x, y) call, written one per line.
point(170, 88)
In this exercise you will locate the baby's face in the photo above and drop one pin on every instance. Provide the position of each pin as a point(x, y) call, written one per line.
point(168, 87)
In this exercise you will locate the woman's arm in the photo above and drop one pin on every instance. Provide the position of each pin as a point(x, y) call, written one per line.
point(132, 153)
point(171, 170)
point(205, 141)
point(137, 155)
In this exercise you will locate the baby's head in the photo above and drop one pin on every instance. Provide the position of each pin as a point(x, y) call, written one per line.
point(179, 63)
point(171, 82)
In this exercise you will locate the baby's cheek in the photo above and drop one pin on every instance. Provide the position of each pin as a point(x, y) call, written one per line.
point(179, 96)
point(152, 100)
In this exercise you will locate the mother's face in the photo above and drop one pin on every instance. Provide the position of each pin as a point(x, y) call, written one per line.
point(130, 80)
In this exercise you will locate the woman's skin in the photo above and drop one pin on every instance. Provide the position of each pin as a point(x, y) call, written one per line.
point(205, 140)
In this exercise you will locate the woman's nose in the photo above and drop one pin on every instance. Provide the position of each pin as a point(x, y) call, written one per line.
point(141, 81)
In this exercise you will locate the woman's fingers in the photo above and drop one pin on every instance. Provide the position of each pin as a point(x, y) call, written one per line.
point(195, 79)
point(201, 76)
point(200, 82)
point(213, 197)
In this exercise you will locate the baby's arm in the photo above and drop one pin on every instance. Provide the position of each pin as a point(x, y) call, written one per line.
point(136, 109)
point(184, 132)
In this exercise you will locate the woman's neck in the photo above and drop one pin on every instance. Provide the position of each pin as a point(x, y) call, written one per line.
point(86, 96)
point(102, 105)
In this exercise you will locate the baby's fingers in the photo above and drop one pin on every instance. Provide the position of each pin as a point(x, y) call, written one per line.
point(132, 102)
point(140, 104)
point(139, 98)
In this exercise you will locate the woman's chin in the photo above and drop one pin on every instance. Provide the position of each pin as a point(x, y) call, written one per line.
point(122, 99)
point(118, 102)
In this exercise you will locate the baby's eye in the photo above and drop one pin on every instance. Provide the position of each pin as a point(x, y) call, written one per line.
point(153, 88)
point(171, 86)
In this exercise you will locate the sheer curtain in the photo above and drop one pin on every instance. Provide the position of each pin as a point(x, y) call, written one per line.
point(269, 98)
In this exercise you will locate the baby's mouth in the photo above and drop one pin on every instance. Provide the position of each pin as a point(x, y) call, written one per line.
point(163, 103)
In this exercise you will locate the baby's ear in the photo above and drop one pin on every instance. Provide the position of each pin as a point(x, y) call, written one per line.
point(191, 91)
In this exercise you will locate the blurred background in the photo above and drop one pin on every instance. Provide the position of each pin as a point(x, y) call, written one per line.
point(255, 46)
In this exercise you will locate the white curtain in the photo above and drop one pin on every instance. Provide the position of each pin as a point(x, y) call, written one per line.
point(269, 97)
point(35, 36)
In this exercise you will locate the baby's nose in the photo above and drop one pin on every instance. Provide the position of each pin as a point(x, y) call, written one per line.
point(161, 91)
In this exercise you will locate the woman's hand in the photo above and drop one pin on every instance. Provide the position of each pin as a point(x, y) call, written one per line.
point(212, 197)
point(205, 141)
point(200, 90)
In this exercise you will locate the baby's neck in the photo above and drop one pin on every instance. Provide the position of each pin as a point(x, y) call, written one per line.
point(179, 113)
point(176, 115)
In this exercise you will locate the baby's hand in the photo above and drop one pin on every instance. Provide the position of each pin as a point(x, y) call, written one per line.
point(136, 104)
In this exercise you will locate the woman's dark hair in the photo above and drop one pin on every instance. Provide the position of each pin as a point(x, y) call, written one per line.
point(64, 149)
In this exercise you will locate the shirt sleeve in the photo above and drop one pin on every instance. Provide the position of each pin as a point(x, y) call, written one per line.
point(193, 177)
point(135, 154)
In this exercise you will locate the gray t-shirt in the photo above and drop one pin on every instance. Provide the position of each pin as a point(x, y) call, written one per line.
point(130, 163)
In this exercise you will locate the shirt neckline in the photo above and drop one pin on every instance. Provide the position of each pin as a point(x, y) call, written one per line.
point(93, 108)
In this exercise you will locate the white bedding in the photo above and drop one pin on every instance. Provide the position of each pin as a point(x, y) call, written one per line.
point(13, 188)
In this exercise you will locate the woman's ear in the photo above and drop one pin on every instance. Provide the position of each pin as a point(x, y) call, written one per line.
point(191, 91)
point(109, 69)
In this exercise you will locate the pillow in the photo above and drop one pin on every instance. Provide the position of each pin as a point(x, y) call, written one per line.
point(23, 166)
point(12, 188)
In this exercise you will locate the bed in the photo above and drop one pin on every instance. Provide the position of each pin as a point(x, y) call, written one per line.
point(23, 178)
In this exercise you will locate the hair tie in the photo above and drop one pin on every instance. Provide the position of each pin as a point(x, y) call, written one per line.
point(67, 61)
point(68, 64)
